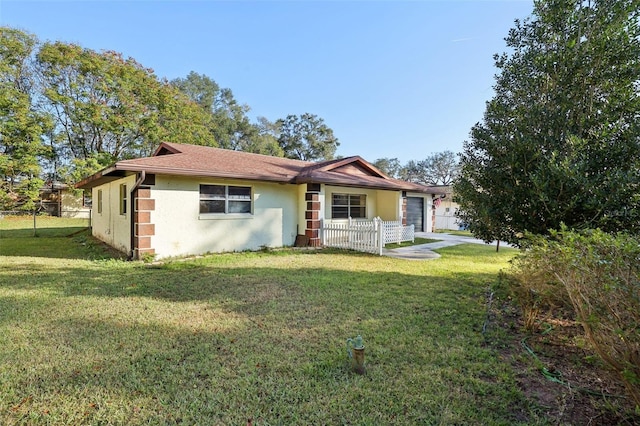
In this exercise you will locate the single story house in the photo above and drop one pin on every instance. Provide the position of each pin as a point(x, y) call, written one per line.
point(58, 199)
point(445, 209)
point(188, 200)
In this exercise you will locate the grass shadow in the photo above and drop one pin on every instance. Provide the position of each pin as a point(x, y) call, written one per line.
point(62, 243)
point(42, 232)
point(251, 336)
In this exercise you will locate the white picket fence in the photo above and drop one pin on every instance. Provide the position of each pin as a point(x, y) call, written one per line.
point(368, 236)
point(395, 232)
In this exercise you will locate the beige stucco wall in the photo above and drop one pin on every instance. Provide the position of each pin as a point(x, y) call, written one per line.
point(389, 205)
point(110, 226)
point(181, 230)
point(385, 204)
point(72, 206)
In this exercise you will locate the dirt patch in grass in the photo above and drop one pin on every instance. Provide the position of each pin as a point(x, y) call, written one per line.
point(558, 373)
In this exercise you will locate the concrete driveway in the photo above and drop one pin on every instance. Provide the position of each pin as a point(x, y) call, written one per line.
point(425, 251)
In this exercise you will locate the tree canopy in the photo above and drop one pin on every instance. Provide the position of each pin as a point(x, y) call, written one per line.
point(306, 137)
point(22, 125)
point(229, 126)
point(439, 168)
point(560, 140)
point(67, 111)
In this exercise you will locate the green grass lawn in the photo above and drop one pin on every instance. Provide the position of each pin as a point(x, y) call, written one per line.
point(455, 232)
point(249, 337)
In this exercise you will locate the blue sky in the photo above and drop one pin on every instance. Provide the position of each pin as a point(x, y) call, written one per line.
point(391, 78)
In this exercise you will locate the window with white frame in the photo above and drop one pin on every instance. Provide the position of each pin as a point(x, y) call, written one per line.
point(123, 199)
point(225, 199)
point(100, 201)
point(344, 206)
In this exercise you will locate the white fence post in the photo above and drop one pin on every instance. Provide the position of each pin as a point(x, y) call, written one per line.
point(380, 236)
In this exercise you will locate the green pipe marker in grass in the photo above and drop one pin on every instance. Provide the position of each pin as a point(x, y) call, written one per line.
point(355, 349)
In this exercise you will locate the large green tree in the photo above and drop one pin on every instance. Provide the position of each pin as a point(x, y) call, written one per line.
point(389, 166)
point(22, 125)
point(107, 107)
point(265, 139)
point(306, 137)
point(440, 168)
point(560, 140)
point(230, 125)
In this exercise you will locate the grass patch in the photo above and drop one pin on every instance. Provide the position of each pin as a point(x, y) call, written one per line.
point(417, 241)
point(45, 226)
point(56, 238)
point(259, 337)
point(455, 232)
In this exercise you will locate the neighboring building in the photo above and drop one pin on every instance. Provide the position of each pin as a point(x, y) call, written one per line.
point(58, 199)
point(188, 199)
point(445, 209)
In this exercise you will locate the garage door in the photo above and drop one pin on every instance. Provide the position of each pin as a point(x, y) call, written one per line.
point(415, 213)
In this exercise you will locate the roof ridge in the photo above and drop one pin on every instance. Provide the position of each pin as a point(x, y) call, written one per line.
point(175, 144)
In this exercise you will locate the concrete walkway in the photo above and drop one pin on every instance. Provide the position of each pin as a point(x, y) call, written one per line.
point(425, 251)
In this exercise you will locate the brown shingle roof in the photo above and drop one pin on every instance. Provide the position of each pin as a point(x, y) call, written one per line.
point(203, 161)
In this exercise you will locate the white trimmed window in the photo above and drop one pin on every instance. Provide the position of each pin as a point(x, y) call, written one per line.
point(123, 199)
point(100, 201)
point(225, 199)
point(344, 206)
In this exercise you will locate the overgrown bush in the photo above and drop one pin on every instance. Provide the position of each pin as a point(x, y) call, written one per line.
point(534, 286)
point(600, 275)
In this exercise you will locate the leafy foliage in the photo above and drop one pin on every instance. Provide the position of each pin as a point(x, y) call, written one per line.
point(439, 168)
point(229, 125)
point(21, 125)
point(599, 274)
point(306, 137)
point(411, 172)
point(560, 140)
point(389, 166)
point(106, 104)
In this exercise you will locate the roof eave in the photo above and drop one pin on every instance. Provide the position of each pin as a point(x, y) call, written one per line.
point(95, 179)
point(384, 185)
point(115, 172)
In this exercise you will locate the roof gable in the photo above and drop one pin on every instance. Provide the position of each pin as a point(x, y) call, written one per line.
point(355, 165)
point(352, 169)
point(165, 149)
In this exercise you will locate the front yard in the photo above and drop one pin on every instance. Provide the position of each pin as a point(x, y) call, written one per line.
point(252, 338)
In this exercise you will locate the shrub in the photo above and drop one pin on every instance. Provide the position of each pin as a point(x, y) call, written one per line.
point(600, 274)
point(534, 286)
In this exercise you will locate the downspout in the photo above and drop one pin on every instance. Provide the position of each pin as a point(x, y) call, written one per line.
point(136, 185)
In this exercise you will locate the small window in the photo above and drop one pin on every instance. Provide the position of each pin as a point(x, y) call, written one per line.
point(99, 200)
point(224, 199)
point(123, 199)
point(344, 206)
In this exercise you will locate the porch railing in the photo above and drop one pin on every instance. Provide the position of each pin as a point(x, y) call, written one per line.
point(396, 232)
point(368, 236)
